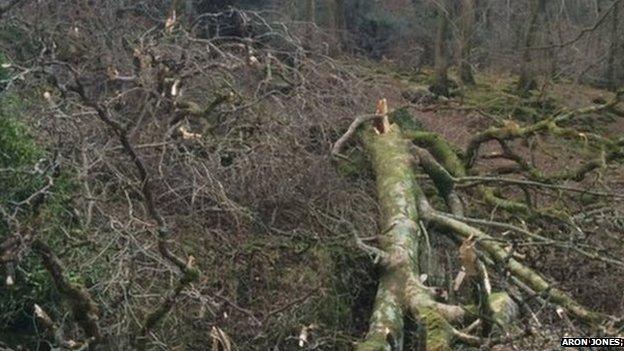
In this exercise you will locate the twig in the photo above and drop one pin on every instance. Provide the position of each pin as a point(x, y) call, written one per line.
point(8, 6)
point(337, 148)
point(479, 179)
point(543, 239)
point(582, 32)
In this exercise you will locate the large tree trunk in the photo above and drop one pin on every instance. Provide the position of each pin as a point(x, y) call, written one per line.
point(466, 31)
point(440, 85)
point(405, 211)
point(189, 11)
point(311, 11)
point(551, 52)
point(338, 21)
point(527, 74)
point(400, 292)
point(611, 70)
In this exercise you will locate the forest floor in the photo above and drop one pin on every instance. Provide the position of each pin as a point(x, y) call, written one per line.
point(492, 101)
point(271, 217)
point(309, 274)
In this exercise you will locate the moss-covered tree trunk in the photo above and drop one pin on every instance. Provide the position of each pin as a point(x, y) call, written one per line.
point(400, 291)
point(404, 211)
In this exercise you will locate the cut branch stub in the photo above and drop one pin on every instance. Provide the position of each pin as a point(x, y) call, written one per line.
point(382, 124)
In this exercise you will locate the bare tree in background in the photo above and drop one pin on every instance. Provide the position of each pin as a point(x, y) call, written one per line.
point(338, 20)
point(614, 49)
point(526, 81)
point(467, 17)
point(311, 11)
point(440, 85)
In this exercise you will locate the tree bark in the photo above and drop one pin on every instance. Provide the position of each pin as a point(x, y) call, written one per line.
point(440, 85)
point(83, 307)
point(400, 291)
point(611, 70)
point(404, 212)
point(466, 30)
point(338, 22)
point(551, 52)
point(527, 74)
point(311, 11)
point(189, 10)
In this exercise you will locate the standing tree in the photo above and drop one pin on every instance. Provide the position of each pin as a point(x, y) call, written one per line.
point(440, 84)
point(613, 50)
point(338, 20)
point(464, 40)
point(311, 11)
point(527, 81)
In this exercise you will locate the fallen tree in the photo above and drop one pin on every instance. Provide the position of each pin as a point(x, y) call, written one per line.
point(405, 215)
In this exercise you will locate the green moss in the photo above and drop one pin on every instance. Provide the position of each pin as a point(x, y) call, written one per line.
point(395, 179)
point(497, 97)
point(438, 330)
point(4, 74)
point(441, 150)
point(504, 309)
point(23, 162)
point(505, 204)
point(24, 47)
point(355, 167)
point(405, 120)
point(377, 342)
point(491, 98)
point(588, 199)
point(18, 156)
